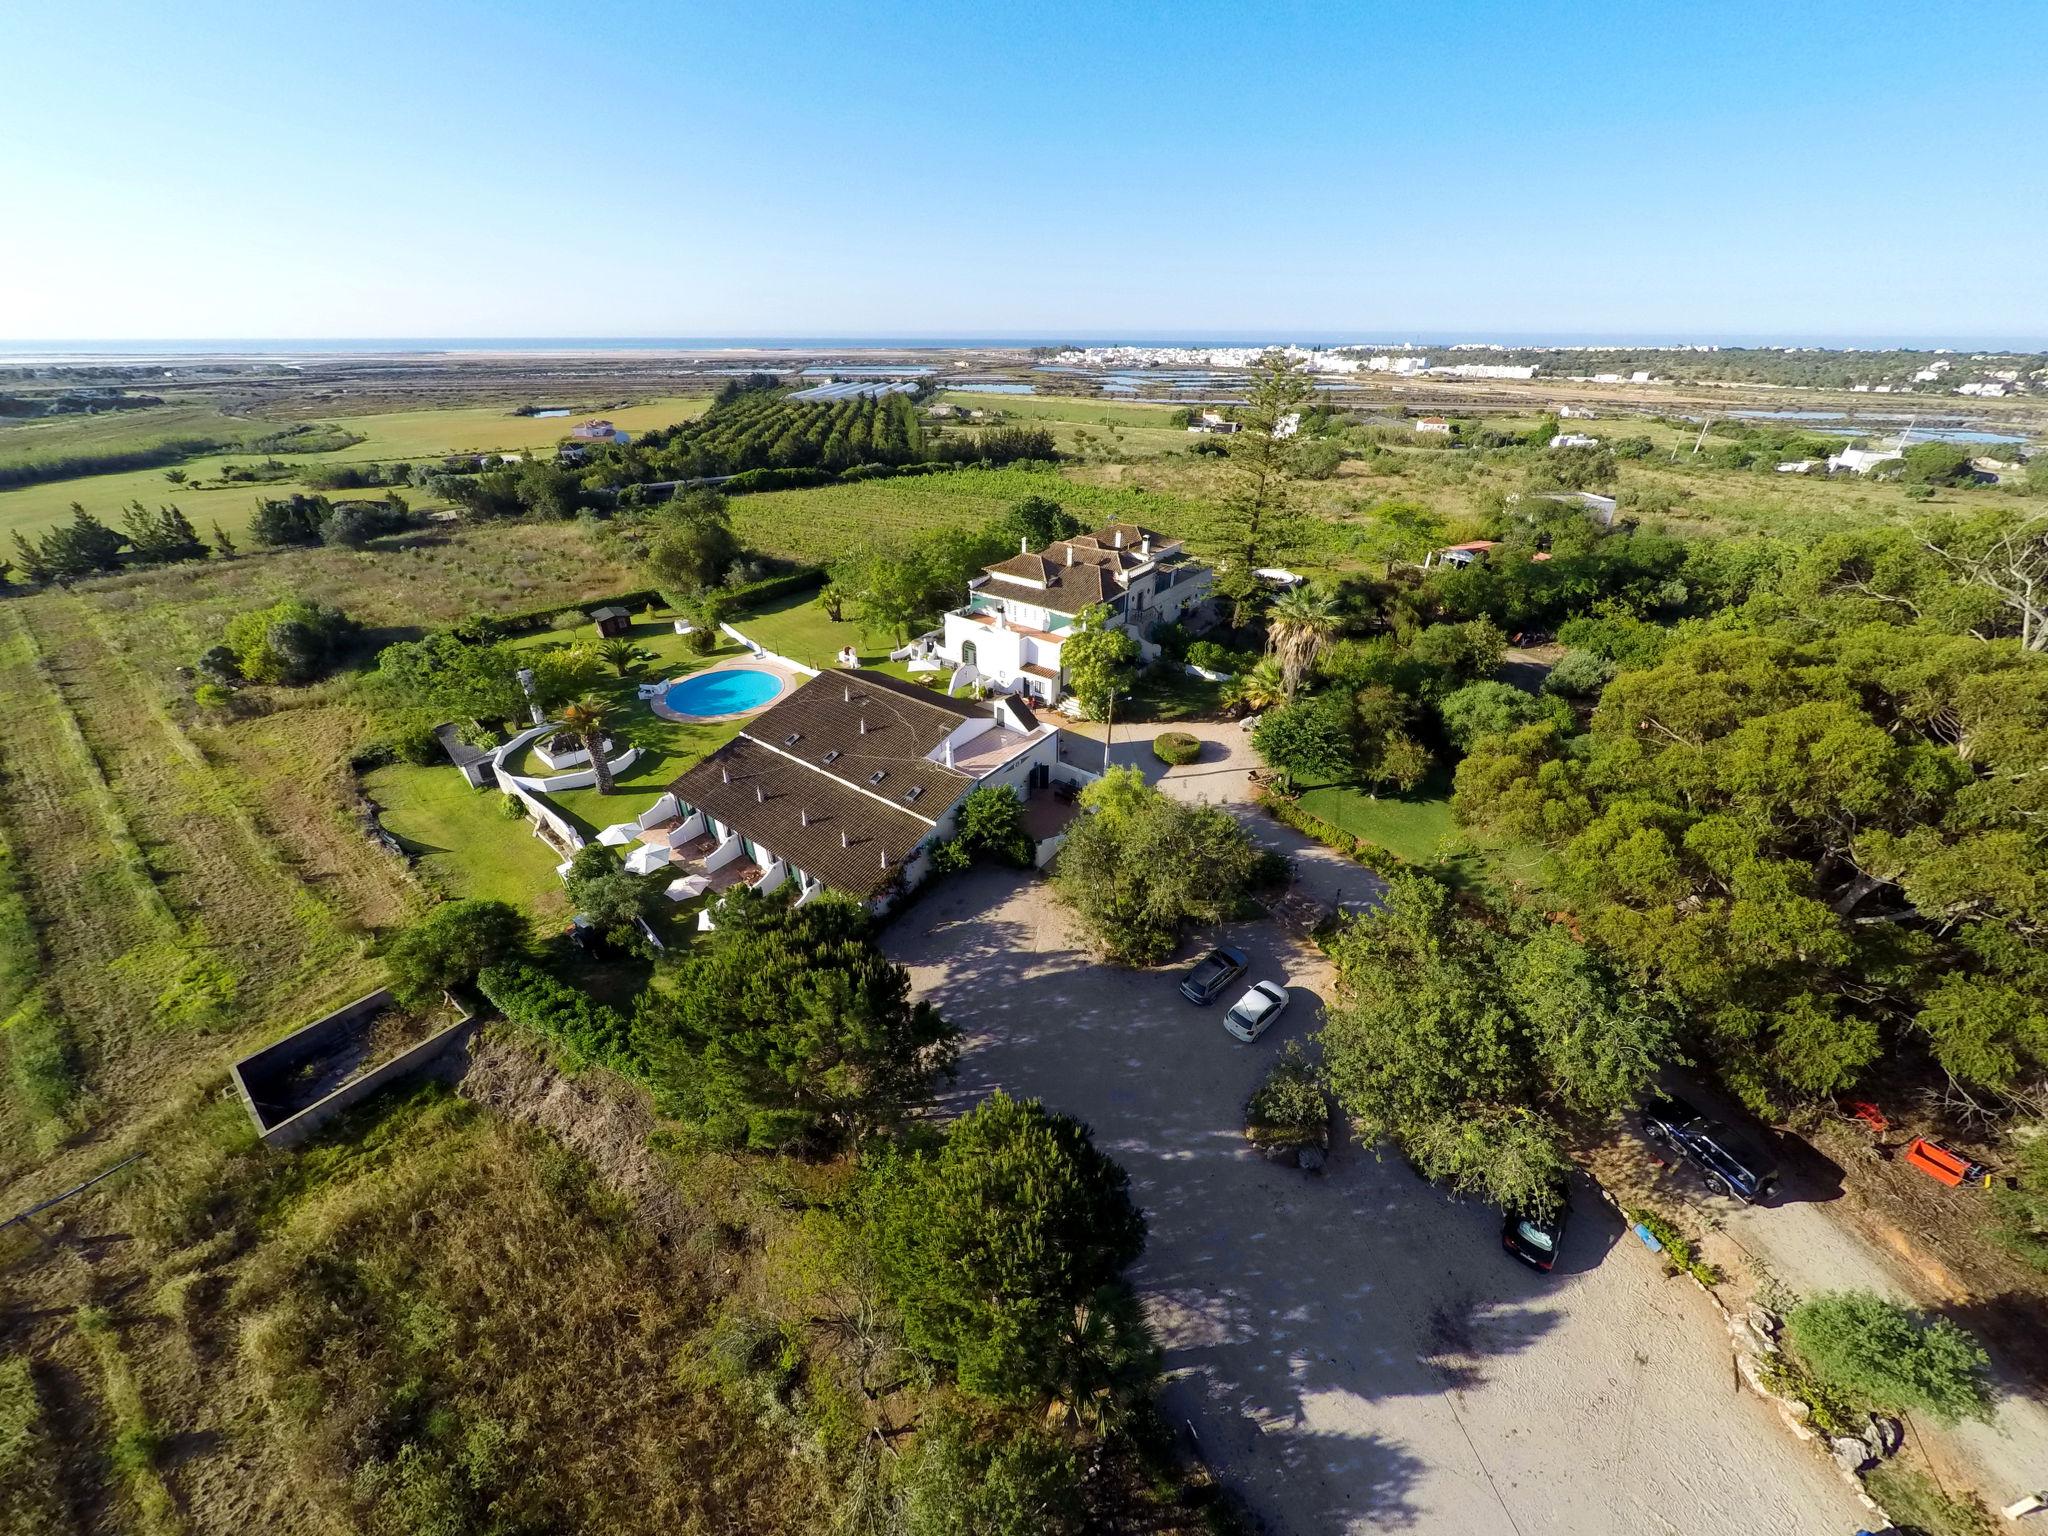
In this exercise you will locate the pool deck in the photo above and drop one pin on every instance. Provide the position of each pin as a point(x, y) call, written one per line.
point(785, 678)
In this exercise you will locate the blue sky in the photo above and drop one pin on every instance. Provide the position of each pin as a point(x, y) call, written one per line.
point(470, 169)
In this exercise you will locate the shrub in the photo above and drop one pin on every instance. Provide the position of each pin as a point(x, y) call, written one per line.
point(1289, 1109)
point(1578, 675)
point(1211, 657)
point(2021, 1211)
point(1918, 1506)
point(583, 1030)
point(1176, 748)
point(450, 945)
point(992, 827)
point(212, 696)
point(703, 640)
point(1001, 1480)
point(1679, 1251)
point(1881, 1353)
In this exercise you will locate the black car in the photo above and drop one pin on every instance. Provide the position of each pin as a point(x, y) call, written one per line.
point(1732, 1164)
point(1212, 973)
point(1535, 1236)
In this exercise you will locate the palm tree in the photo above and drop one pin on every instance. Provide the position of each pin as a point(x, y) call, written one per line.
point(620, 654)
point(1300, 619)
point(1263, 687)
point(588, 717)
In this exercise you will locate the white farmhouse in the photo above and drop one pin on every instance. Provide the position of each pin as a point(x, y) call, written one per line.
point(1020, 613)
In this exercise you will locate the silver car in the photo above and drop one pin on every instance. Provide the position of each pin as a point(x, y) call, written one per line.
point(1253, 1014)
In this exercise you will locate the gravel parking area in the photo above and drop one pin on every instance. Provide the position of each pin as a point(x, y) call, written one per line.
point(1353, 1351)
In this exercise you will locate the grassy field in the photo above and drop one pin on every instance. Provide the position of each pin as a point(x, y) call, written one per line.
point(816, 524)
point(180, 886)
point(1412, 825)
point(408, 435)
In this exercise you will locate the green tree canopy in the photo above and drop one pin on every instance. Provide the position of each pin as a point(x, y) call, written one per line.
point(1100, 660)
point(787, 1028)
point(1874, 1351)
point(1142, 867)
point(451, 945)
point(1005, 1248)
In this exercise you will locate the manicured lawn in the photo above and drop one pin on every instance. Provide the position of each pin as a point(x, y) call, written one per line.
point(464, 841)
point(667, 747)
point(1410, 825)
point(798, 627)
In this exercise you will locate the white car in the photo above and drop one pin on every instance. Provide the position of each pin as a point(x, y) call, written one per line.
point(1253, 1014)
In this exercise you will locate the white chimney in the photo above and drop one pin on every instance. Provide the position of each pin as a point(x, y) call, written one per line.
point(849, 693)
point(1119, 538)
point(1023, 544)
point(845, 841)
point(949, 751)
point(1145, 545)
point(1070, 554)
point(885, 858)
point(804, 817)
point(863, 725)
point(724, 774)
point(760, 795)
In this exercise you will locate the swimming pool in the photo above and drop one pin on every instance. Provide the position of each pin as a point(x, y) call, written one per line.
point(728, 691)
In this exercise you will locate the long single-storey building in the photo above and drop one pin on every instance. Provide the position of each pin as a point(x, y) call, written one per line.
point(846, 783)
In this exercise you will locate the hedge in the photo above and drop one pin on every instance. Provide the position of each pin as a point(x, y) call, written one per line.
point(1176, 748)
point(806, 578)
point(1381, 861)
point(584, 1030)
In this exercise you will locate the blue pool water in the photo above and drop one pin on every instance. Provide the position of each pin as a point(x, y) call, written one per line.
point(726, 692)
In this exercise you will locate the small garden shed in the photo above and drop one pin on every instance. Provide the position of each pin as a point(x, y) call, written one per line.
point(611, 621)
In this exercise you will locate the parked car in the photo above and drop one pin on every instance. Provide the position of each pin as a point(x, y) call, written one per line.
point(1212, 973)
point(1535, 1237)
point(1253, 1014)
point(1731, 1163)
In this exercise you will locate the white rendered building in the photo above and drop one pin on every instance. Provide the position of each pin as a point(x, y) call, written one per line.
point(1019, 614)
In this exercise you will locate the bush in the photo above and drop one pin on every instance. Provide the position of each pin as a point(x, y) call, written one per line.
point(1679, 1250)
point(998, 1481)
point(703, 640)
point(582, 1030)
point(992, 827)
point(2021, 1211)
point(1176, 748)
point(1878, 1352)
point(1917, 1505)
point(450, 946)
point(212, 696)
point(1211, 657)
point(1289, 1109)
point(1578, 675)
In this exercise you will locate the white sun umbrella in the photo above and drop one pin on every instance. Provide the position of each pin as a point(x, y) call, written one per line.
point(618, 834)
point(646, 860)
point(688, 886)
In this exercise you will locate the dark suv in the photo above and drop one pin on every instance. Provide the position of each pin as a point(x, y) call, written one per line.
point(1732, 1163)
point(1212, 973)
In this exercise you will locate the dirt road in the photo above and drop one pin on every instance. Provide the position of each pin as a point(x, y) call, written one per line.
point(1353, 1351)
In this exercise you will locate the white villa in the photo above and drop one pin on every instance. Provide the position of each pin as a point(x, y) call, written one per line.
point(1017, 615)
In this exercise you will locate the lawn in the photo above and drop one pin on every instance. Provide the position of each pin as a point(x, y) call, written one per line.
point(1411, 825)
point(667, 747)
point(800, 629)
point(407, 435)
point(465, 845)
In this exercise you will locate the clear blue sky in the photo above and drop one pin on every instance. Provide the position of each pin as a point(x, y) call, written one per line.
point(501, 169)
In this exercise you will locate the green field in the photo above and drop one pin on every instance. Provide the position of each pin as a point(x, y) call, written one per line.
point(397, 435)
point(815, 525)
point(1411, 825)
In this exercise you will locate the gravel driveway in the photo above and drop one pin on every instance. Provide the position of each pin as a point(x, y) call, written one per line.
point(1354, 1352)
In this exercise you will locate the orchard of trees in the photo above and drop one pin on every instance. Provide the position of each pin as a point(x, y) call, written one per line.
point(764, 429)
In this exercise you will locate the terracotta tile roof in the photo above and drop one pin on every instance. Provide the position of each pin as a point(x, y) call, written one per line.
point(1023, 567)
point(1078, 587)
point(809, 754)
point(799, 814)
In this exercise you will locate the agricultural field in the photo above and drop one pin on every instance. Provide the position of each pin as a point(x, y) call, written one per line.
point(814, 525)
point(180, 887)
point(416, 435)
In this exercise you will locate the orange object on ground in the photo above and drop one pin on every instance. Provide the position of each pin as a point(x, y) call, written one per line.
point(1937, 1162)
point(1870, 1115)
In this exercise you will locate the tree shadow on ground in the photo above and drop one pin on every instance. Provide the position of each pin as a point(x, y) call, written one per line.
point(1281, 1298)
